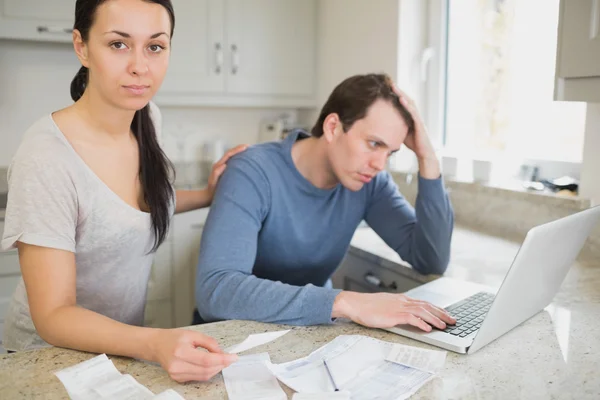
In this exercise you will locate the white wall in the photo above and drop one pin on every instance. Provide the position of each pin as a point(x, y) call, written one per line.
point(355, 36)
point(35, 79)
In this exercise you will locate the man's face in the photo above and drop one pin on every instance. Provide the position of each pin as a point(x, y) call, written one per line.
point(359, 154)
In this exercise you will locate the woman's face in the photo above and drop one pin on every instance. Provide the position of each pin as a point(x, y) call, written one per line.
point(127, 52)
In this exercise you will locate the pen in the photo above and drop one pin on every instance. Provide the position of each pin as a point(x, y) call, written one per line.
point(330, 376)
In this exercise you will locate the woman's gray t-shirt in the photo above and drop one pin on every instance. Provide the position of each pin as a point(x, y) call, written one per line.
point(55, 200)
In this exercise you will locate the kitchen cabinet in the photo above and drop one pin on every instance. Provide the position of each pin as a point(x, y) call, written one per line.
point(170, 302)
point(10, 275)
point(578, 51)
point(242, 53)
point(187, 233)
point(197, 54)
point(159, 305)
point(233, 53)
point(272, 46)
point(359, 274)
point(50, 21)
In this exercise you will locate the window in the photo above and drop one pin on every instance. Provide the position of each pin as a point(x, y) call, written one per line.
point(489, 82)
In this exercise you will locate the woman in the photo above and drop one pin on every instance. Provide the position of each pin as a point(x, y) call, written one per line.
point(90, 200)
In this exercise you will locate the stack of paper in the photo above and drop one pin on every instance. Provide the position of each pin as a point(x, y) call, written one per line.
point(98, 378)
point(367, 368)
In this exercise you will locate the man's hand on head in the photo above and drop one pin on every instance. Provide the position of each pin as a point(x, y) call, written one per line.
point(418, 140)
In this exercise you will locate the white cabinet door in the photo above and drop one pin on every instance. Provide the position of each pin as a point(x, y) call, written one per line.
point(579, 39)
point(159, 284)
point(271, 47)
point(197, 55)
point(578, 53)
point(10, 275)
point(158, 314)
point(186, 246)
point(37, 20)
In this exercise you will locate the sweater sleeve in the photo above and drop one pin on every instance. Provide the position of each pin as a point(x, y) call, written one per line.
point(420, 235)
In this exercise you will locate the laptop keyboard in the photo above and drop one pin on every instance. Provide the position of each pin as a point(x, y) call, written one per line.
point(469, 314)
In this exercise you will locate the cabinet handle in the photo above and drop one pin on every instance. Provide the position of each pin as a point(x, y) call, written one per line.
point(54, 30)
point(376, 281)
point(595, 22)
point(235, 59)
point(218, 58)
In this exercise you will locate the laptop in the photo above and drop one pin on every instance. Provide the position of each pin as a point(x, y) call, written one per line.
point(484, 314)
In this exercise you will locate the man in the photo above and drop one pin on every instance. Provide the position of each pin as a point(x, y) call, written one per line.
point(284, 214)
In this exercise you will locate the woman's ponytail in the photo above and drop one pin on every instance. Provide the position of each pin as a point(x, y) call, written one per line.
point(79, 83)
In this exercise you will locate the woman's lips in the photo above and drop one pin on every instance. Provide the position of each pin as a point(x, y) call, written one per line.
point(136, 89)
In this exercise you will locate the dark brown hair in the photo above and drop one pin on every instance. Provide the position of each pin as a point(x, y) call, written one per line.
point(156, 170)
point(351, 100)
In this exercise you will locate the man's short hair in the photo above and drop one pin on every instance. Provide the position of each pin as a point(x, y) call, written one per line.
point(351, 100)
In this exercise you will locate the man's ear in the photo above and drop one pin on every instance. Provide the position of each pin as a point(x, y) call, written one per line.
point(81, 48)
point(332, 127)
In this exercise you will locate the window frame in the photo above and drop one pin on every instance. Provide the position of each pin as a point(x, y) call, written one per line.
point(426, 63)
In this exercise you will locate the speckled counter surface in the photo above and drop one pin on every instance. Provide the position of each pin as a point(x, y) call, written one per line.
point(555, 354)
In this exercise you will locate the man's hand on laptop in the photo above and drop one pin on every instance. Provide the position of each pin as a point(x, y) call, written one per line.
point(385, 310)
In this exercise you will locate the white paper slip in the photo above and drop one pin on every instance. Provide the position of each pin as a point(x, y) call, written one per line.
point(169, 394)
point(387, 381)
point(250, 379)
point(97, 379)
point(125, 387)
point(80, 380)
point(322, 396)
point(426, 360)
point(255, 340)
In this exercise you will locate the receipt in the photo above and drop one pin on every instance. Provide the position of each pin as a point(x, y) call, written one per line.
point(124, 387)
point(255, 340)
point(387, 381)
point(425, 360)
point(250, 379)
point(97, 378)
point(81, 379)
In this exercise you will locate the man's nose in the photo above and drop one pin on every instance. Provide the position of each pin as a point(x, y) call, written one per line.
point(379, 160)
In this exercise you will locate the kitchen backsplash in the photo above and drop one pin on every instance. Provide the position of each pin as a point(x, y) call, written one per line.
point(186, 132)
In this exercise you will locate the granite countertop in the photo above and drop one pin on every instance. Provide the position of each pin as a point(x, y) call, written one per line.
point(552, 355)
point(468, 256)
